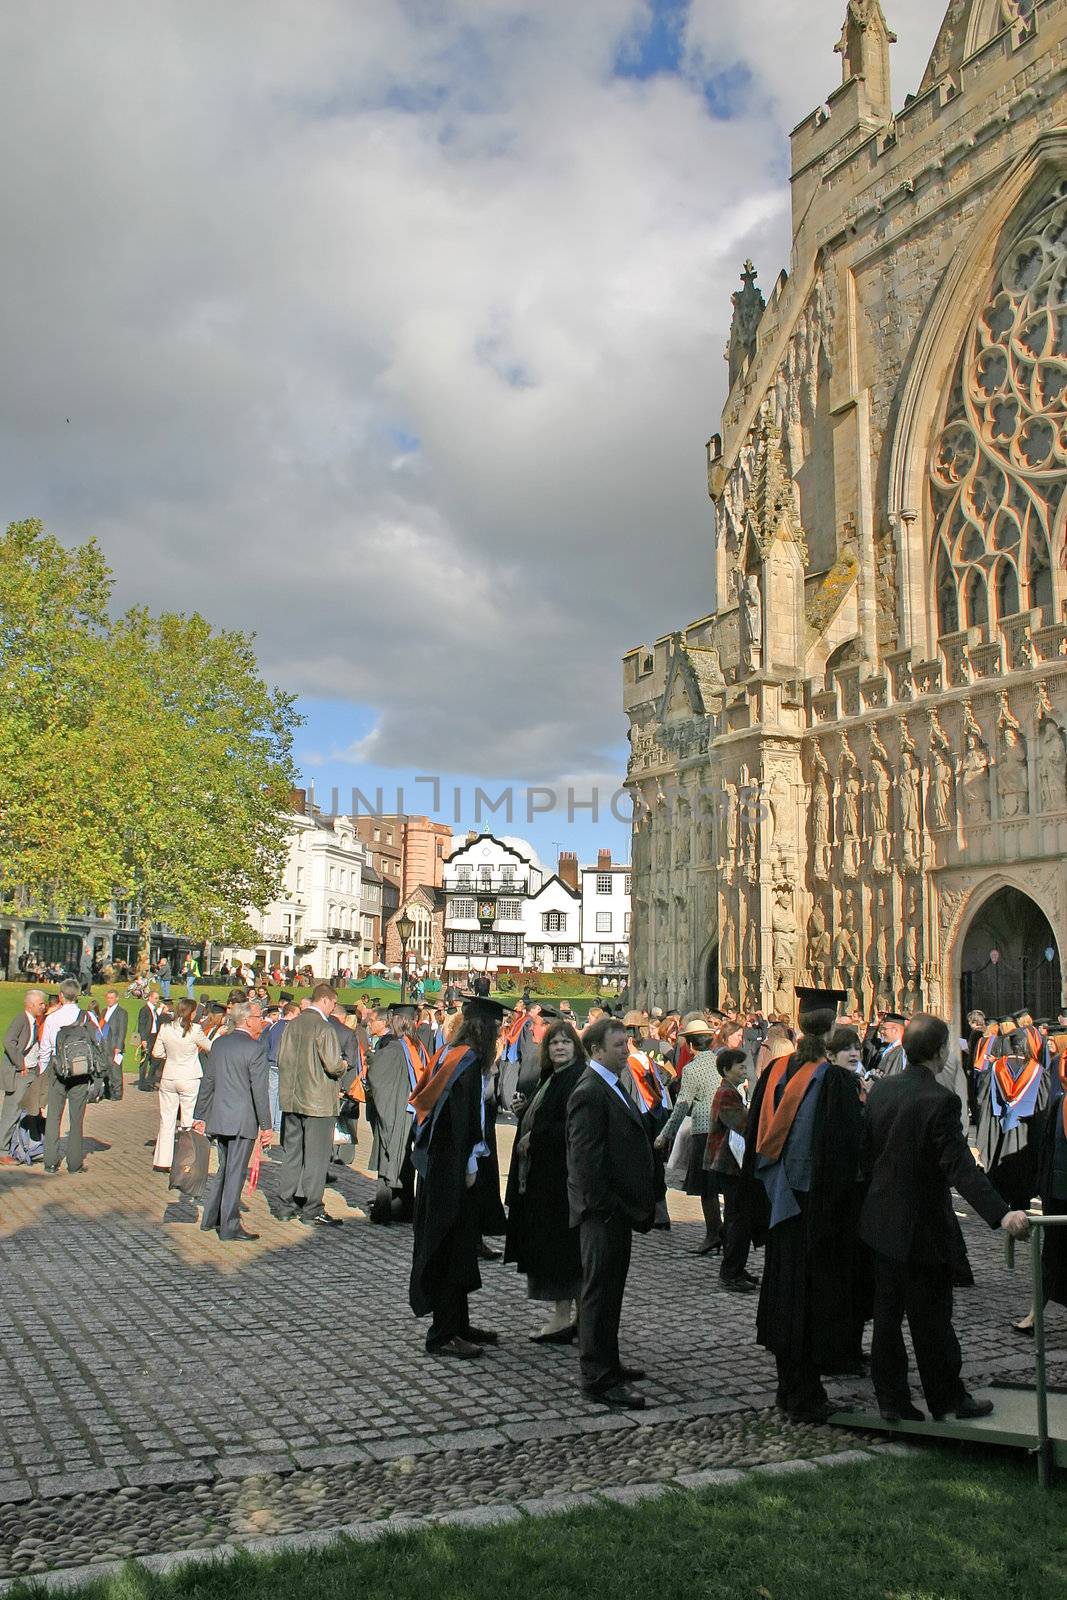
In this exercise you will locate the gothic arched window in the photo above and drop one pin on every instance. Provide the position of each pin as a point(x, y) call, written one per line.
point(999, 459)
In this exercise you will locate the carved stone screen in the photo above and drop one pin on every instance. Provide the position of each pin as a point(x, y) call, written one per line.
point(998, 463)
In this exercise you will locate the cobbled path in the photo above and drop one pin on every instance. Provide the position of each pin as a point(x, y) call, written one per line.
point(163, 1391)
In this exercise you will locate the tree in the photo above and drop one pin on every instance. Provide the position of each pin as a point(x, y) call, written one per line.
point(207, 775)
point(53, 642)
point(143, 760)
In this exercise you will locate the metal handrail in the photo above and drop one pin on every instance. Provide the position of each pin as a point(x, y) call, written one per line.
point(1044, 1447)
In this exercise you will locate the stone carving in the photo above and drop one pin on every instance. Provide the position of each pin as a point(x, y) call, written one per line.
point(728, 941)
point(751, 613)
point(820, 948)
point(851, 800)
point(880, 790)
point(750, 805)
point(749, 306)
point(708, 830)
point(784, 931)
point(996, 472)
point(781, 815)
point(975, 772)
point(909, 944)
point(846, 947)
point(1013, 764)
point(910, 799)
point(683, 834)
point(864, 32)
point(942, 806)
point(820, 816)
point(796, 383)
point(751, 962)
point(1052, 754)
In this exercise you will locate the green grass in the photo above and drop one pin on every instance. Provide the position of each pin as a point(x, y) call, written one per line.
point(937, 1527)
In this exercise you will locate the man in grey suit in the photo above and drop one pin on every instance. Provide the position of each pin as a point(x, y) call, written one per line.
point(19, 1058)
point(310, 1065)
point(611, 1189)
point(233, 1107)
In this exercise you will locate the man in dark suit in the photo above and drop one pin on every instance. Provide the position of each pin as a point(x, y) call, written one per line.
point(611, 1190)
point(233, 1107)
point(915, 1153)
point(149, 1019)
point(113, 1031)
point(19, 1058)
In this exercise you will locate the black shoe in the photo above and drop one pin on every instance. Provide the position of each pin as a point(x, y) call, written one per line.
point(619, 1398)
point(481, 1336)
point(905, 1412)
point(658, 1227)
point(813, 1414)
point(561, 1336)
point(710, 1247)
point(320, 1219)
point(461, 1349)
point(381, 1210)
point(487, 1253)
point(967, 1409)
point(739, 1285)
point(52, 1172)
point(631, 1374)
point(331, 1177)
point(242, 1236)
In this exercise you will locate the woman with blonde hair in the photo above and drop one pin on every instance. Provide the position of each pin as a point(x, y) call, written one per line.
point(178, 1045)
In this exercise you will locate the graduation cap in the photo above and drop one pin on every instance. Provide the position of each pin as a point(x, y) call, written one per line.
point(818, 1008)
point(396, 1006)
point(478, 1005)
point(894, 1016)
point(285, 998)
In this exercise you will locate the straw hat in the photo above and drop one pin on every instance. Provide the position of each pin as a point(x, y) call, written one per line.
point(635, 1019)
point(698, 1030)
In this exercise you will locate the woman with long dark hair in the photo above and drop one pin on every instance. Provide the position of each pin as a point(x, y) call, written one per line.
point(450, 1143)
point(540, 1239)
point(178, 1045)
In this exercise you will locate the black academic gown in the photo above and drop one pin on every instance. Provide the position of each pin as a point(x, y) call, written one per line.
point(492, 1217)
point(540, 1239)
point(1052, 1187)
point(388, 1094)
point(445, 1255)
point(811, 1295)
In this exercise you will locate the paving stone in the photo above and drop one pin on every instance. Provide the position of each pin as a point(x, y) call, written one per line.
point(714, 1478)
point(479, 1517)
point(166, 1473)
point(251, 1466)
point(79, 1483)
point(342, 1455)
point(632, 1494)
point(846, 1458)
point(549, 1505)
point(782, 1469)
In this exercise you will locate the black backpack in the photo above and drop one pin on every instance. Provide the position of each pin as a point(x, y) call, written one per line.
point(77, 1054)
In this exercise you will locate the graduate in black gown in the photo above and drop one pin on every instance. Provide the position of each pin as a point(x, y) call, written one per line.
point(1011, 1094)
point(393, 1072)
point(450, 1144)
point(803, 1145)
point(1051, 1186)
point(540, 1239)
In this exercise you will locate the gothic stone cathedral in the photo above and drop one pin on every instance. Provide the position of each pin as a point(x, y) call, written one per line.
point(856, 768)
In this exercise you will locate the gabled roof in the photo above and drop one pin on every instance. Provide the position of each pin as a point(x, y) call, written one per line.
point(575, 894)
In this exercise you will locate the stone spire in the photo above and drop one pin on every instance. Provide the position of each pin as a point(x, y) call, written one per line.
point(864, 49)
point(749, 306)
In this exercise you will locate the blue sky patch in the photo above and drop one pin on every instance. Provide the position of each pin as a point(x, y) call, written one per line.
point(658, 47)
point(726, 92)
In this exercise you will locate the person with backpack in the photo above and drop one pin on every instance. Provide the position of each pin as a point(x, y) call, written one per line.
point(72, 1054)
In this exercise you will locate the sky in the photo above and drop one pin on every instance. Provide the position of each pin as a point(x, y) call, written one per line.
point(392, 331)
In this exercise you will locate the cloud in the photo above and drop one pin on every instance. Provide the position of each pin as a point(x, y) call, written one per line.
point(394, 331)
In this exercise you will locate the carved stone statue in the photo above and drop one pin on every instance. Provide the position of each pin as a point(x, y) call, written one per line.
point(942, 781)
point(728, 941)
point(851, 800)
point(1013, 766)
point(881, 797)
point(846, 947)
point(708, 829)
point(1053, 765)
point(910, 790)
point(749, 306)
point(682, 830)
point(975, 774)
point(820, 819)
point(909, 944)
point(819, 944)
point(784, 929)
point(750, 603)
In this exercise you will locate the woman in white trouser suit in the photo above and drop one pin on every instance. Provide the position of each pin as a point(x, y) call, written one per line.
point(178, 1045)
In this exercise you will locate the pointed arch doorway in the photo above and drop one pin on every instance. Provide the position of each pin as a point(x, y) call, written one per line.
point(1010, 959)
point(711, 977)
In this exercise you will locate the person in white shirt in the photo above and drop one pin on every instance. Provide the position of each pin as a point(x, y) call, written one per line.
point(178, 1045)
point(73, 1093)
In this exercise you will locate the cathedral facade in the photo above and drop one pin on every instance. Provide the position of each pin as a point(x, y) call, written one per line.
point(855, 769)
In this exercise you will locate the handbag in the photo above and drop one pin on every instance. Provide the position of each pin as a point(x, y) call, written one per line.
point(737, 1147)
point(677, 1169)
point(188, 1169)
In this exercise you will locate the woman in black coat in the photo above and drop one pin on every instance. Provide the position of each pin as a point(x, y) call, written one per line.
point(1052, 1188)
point(540, 1240)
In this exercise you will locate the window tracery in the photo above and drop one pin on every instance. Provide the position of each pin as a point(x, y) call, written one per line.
point(999, 461)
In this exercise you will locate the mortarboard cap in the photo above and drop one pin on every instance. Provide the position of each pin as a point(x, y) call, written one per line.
point(286, 998)
point(894, 1016)
point(401, 1005)
point(818, 1008)
point(477, 1005)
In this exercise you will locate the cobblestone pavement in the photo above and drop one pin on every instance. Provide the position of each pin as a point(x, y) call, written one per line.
point(205, 1392)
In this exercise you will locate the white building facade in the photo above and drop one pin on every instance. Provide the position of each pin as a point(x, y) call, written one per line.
point(605, 901)
point(316, 918)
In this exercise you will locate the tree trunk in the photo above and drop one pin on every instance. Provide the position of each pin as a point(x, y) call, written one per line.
point(144, 949)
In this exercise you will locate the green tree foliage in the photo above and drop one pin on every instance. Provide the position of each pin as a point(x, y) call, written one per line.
point(148, 759)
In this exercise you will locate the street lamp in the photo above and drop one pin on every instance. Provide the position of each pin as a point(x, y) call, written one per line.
point(405, 927)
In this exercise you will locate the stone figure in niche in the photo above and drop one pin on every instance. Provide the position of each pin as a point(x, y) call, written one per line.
point(910, 800)
point(784, 929)
point(942, 781)
point(975, 775)
point(884, 935)
point(682, 834)
point(820, 819)
point(708, 830)
point(683, 956)
point(751, 939)
point(782, 821)
point(846, 947)
point(728, 943)
point(1013, 767)
point(731, 800)
point(1053, 765)
point(909, 945)
point(881, 795)
point(750, 603)
point(751, 802)
point(851, 799)
point(819, 944)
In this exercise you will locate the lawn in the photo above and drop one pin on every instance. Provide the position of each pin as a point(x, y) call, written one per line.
point(940, 1526)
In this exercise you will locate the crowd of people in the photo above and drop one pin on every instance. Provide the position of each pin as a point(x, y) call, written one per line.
point(832, 1146)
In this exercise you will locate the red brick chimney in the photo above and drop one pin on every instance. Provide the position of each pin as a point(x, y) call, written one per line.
point(603, 860)
point(568, 868)
point(298, 800)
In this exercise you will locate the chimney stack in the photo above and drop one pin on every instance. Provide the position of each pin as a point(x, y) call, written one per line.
point(603, 860)
point(298, 800)
point(568, 868)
